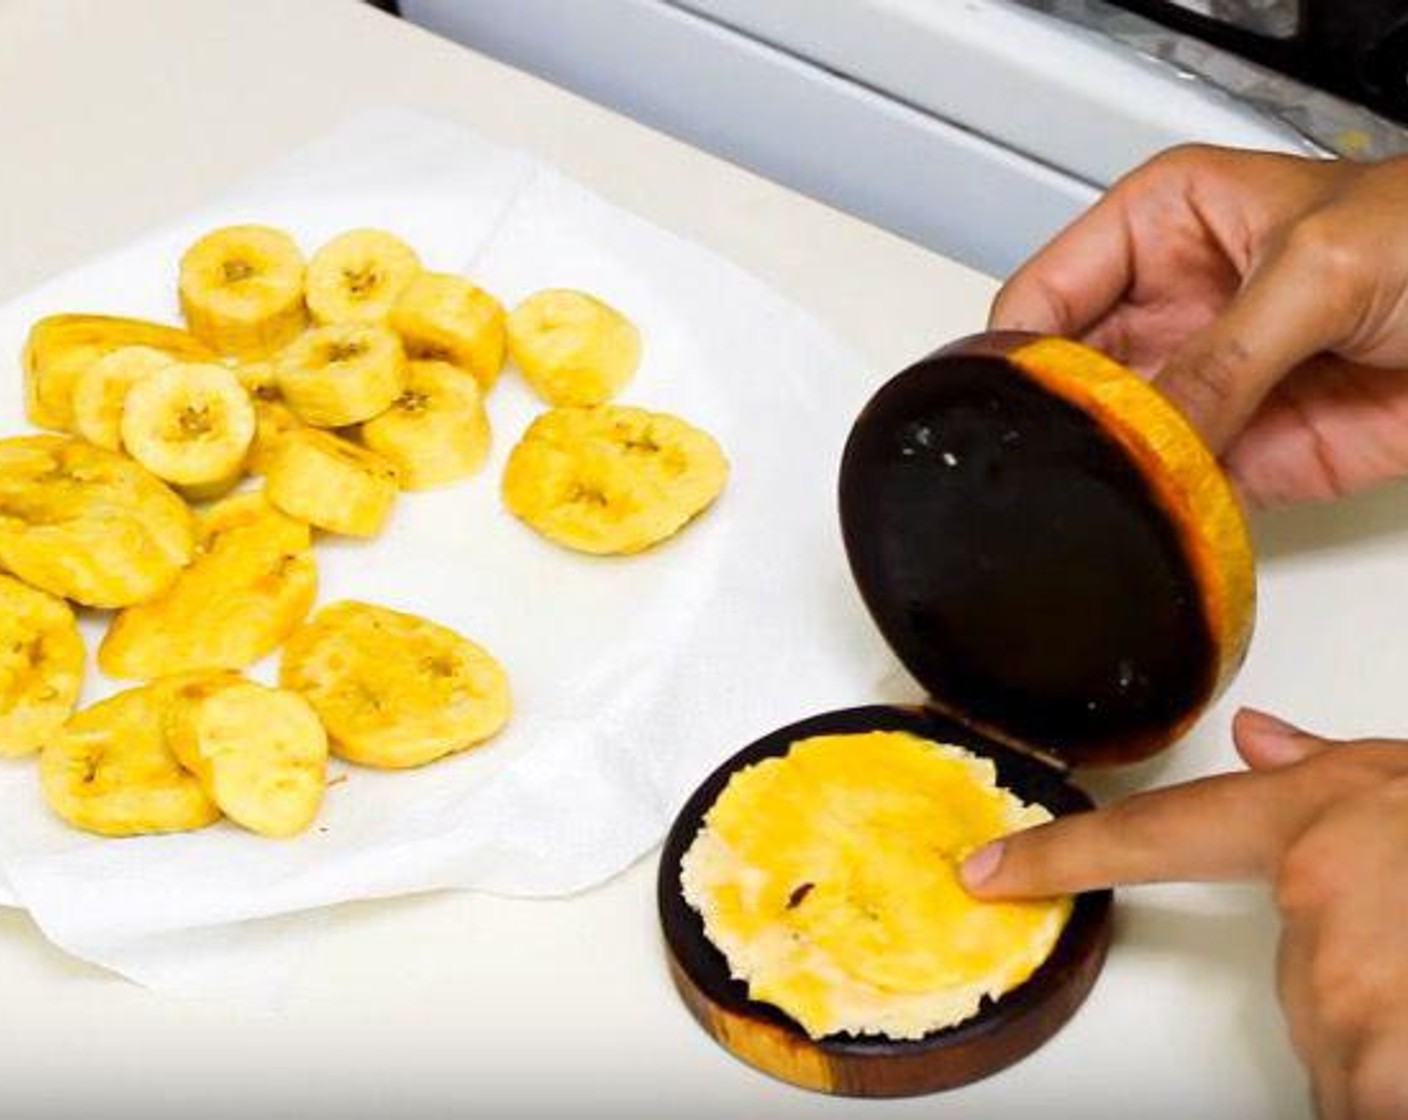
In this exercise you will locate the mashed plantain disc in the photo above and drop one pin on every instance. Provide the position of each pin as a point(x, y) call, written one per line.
point(829, 880)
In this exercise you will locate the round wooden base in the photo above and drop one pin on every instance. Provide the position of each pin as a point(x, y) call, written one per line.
point(1003, 1032)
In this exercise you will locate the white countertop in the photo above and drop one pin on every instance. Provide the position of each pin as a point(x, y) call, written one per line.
point(114, 117)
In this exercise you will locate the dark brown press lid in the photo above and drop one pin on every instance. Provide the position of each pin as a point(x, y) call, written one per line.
point(1048, 547)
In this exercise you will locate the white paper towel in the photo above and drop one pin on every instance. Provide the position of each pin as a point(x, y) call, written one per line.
point(632, 677)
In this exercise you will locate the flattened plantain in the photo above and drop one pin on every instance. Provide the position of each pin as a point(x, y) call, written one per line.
point(612, 479)
point(41, 666)
point(253, 579)
point(110, 770)
point(392, 689)
point(88, 524)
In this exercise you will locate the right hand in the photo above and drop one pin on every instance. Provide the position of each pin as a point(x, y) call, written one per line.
point(1268, 297)
point(1327, 825)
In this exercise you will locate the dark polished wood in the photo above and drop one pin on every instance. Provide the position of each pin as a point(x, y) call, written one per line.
point(1048, 546)
point(1001, 1033)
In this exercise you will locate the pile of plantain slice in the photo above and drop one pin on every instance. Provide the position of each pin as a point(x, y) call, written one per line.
point(341, 380)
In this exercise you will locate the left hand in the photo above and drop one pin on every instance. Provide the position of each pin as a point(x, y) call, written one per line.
point(1327, 825)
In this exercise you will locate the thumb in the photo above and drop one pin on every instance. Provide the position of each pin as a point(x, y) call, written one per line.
point(1282, 316)
point(1266, 742)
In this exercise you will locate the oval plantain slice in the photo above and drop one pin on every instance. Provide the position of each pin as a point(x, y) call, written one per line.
point(110, 770)
point(392, 689)
point(258, 752)
point(253, 579)
point(41, 666)
point(442, 317)
point(190, 424)
point(341, 374)
point(88, 524)
point(612, 479)
point(100, 393)
point(436, 431)
point(573, 349)
point(331, 483)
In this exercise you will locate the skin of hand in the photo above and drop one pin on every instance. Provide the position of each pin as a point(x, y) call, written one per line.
point(1267, 295)
point(1326, 825)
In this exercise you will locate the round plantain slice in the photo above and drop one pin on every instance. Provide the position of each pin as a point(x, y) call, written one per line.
point(441, 317)
point(341, 374)
point(436, 431)
point(87, 524)
point(392, 689)
point(259, 753)
point(242, 290)
point(190, 424)
point(253, 579)
point(328, 482)
point(110, 770)
point(612, 479)
point(100, 393)
point(60, 347)
point(41, 666)
point(357, 276)
point(573, 349)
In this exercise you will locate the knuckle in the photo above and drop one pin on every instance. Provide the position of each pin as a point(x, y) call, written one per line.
point(1211, 380)
point(1307, 877)
point(1328, 249)
point(1191, 156)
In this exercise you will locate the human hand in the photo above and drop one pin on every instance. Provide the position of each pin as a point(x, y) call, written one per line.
point(1268, 297)
point(1327, 825)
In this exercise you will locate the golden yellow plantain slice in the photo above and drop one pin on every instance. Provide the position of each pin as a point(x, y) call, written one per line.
point(441, 317)
point(100, 394)
point(190, 424)
point(392, 689)
point(41, 666)
point(259, 753)
point(326, 481)
point(88, 524)
point(251, 583)
point(110, 771)
point(241, 290)
point(436, 431)
point(358, 275)
point(573, 349)
point(342, 374)
point(612, 479)
point(60, 347)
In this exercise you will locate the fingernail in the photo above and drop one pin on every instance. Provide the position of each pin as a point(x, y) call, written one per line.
point(979, 867)
point(1265, 723)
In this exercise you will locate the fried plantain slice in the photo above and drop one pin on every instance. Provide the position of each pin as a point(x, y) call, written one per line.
point(612, 479)
point(41, 666)
point(258, 752)
point(88, 524)
point(253, 579)
point(110, 771)
point(395, 690)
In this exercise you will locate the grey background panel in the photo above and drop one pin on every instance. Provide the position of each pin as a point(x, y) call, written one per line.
point(793, 120)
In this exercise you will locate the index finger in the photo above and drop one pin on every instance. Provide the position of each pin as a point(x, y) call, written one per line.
point(1075, 280)
point(1228, 827)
